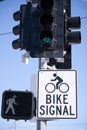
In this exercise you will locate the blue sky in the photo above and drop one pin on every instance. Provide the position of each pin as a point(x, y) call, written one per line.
point(15, 75)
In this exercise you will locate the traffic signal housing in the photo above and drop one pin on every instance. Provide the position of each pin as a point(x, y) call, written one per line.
point(17, 105)
point(71, 36)
point(41, 29)
point(72, 23)
point(47, 37)
point(24, 27)
point(46, 29)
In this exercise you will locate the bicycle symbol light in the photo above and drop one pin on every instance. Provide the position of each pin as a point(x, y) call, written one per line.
point(51, 86)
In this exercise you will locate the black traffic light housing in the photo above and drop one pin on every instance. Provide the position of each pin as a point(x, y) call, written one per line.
point(50, 38)
point(72, 36)
point(41, 29)
point(46, 30)
point(41, 34)
point(71, 23)
point(24, 27)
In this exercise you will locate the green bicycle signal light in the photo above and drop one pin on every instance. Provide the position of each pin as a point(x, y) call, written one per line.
point(46, 38)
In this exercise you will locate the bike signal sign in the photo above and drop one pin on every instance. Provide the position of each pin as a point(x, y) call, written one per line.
point(57, 94)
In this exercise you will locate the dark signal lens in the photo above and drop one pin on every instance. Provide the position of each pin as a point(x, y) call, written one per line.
point(46, 4)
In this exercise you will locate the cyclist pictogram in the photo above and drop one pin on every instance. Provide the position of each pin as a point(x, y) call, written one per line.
point(52, 86)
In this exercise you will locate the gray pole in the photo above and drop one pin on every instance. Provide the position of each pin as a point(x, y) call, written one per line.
point(15, 124)
point(41, 124)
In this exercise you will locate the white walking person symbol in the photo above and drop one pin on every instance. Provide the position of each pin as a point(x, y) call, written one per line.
point(11, 102)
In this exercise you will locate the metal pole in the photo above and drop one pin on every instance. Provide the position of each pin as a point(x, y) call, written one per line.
point(15, 125)
point(41, 124)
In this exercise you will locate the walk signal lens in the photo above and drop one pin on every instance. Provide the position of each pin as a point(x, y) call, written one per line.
point(13, 105)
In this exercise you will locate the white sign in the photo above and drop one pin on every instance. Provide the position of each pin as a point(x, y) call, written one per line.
point(57, 94)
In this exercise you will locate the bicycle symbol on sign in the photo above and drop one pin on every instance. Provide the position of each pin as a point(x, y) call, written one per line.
point(51, 87)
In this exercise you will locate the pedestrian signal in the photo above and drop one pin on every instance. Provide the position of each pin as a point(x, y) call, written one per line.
point(17, 105)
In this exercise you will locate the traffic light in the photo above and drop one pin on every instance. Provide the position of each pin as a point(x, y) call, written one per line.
point(67, 64)
point(46, 20)
point(71, 23)
point(46, 29)
point(24, 28)
point(49, 41)
point(72, 36)
point(17, 105)
point(41, 29)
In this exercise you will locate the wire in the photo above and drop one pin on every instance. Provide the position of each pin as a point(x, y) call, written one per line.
point(84, 18)
point(5, 33)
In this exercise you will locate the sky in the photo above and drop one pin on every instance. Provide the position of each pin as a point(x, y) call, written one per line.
point(16, 75)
